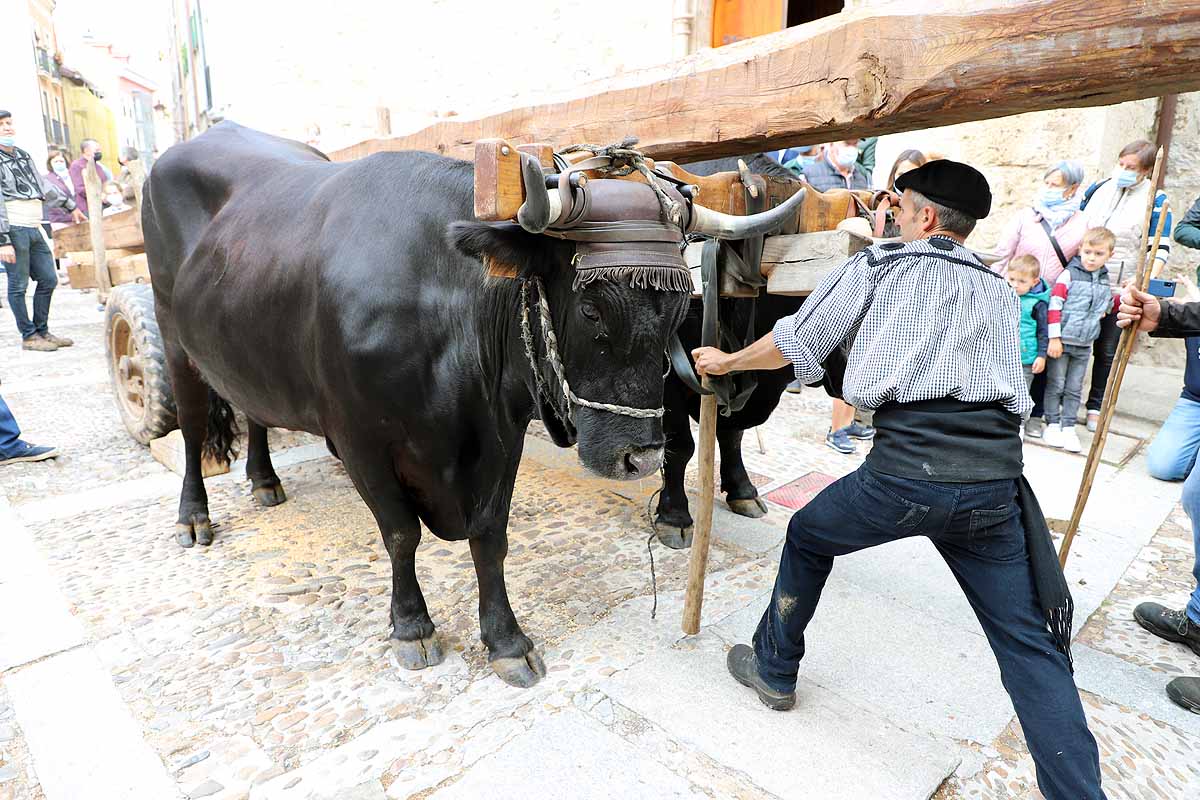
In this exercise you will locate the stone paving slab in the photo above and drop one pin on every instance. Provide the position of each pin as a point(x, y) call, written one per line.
point(1140, 759)
point(806, 752)
point(576, 757)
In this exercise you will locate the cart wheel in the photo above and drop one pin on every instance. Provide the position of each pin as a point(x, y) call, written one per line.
point(137, 364)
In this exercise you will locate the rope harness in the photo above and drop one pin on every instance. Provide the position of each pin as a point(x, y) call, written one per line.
point(550, 343)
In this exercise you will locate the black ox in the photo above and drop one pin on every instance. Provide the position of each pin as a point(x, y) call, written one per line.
point(673, 520)
point(350, 301)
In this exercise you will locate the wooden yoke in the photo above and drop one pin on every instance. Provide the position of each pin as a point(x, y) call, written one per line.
point(499, 190)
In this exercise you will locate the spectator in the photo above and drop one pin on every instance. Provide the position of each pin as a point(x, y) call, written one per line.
point(1119, 204)
point(13, 449)
point(114, 199)
point(1080, 299)
point(1024, 275)
point(1187, 233)
point(89, 153)
point(797, 158)
point(58, 175)
point(24, 250)
point(1172, 456)
point(1051, 228)
point(837, 168)
point(905, 162)
point(866, 156)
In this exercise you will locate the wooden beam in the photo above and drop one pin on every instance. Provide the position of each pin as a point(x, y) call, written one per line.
point(871, 71)
point(122, 230)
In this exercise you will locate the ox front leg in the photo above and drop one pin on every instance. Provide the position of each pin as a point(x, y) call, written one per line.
point(510, 652)
point(193, 525)
point(740, 492)
point(264, 483)
point(672, 520)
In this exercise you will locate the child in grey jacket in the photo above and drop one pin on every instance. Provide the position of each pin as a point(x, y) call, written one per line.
point(1080, 298)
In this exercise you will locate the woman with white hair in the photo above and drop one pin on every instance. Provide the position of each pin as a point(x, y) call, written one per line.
point(1050, 230)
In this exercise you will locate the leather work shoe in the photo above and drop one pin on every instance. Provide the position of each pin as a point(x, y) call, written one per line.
point(61, 341)
point(743, 666)
point(1185, 692)
point(38, 342)
point(1169, 623)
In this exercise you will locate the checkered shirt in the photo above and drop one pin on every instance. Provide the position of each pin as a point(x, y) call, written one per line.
point(927, 321)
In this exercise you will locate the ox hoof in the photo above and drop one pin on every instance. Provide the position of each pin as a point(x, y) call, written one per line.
point(752, 507)
point(417, 653)
point(269, 493)
point(522, 671)
point(674, 538)
point(197, 531)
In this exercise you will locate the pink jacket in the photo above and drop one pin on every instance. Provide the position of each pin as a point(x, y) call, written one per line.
point(1026, 236)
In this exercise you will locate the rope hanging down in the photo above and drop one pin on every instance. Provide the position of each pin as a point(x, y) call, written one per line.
point(550, 342)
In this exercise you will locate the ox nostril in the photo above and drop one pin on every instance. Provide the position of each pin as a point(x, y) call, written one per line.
point(642, 461)
point(632, 464)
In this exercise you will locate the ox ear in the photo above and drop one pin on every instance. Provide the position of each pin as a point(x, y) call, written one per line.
point(507, 250)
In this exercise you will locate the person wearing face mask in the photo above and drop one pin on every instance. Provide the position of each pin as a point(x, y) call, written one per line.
point(89, 153)
point(1119, 204)
point(1049, 229)
point(58, 175)
point(922, 332)
point(114, 200)
point(24, 250)
point(838, 168)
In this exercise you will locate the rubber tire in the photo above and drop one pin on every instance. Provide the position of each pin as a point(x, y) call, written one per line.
point(135, 303)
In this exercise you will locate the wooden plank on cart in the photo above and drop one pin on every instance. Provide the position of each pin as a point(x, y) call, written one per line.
point(894, 67)
point(121, 231)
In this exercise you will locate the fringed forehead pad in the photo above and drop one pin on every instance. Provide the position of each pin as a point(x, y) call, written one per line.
point(649, 266)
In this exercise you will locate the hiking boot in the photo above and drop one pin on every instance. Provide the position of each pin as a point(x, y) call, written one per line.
point(856, 430)
point(61, 341)
point(839, 440)
point(795, 387)
point(1035, 427)
point(743, 666)
point(39, 342)
point(1169, 623)
point(24, 451)
point(1070, 440)
point(1185, 692)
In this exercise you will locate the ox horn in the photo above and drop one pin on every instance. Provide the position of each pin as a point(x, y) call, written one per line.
point(541, 207)
point(730, 226)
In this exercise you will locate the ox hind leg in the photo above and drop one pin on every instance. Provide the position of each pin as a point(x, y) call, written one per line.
point(207, 424)
point(673, 520)
point(264, 483)
point(740, 493)
point(413, 639)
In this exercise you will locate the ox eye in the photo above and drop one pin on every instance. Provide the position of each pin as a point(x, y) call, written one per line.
point(589, 311)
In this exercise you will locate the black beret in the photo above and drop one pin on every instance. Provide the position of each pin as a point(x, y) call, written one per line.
point(951, 184)
point(4, 114)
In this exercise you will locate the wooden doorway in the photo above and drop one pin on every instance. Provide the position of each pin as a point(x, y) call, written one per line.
point(734, 20)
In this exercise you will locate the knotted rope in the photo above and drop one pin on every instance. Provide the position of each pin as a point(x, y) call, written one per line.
point(550, 341)
point(624, 159)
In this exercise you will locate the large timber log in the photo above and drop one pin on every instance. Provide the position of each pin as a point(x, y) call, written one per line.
point(872, 71)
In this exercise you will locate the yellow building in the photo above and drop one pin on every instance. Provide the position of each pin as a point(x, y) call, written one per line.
point(89, 117)
point(50, 90)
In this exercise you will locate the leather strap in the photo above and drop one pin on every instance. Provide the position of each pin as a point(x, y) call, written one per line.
point(1057, 250)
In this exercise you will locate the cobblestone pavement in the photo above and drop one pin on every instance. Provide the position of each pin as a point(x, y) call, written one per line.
point(258, 668)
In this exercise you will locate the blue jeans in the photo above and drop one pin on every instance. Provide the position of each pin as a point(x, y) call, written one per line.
point(34, 260)
point(1172, 457)
point(9, 431)
point(977, 529)
point(1064, 384)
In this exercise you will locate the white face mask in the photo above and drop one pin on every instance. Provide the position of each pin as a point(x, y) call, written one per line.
point(59, 167)
point(845, 156)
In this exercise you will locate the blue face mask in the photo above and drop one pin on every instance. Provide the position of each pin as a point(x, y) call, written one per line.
point(8, 141)
point(1125, 177)
point(1051, 197)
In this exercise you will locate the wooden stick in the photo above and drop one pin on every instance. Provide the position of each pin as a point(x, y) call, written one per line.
point(137, 176)
point(1113, 387)
point(91, 183)
point(693, 598)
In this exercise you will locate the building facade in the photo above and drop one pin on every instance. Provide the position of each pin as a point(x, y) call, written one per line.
point(47, 59)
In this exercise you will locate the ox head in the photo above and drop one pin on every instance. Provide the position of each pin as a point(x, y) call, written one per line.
point(603, 284)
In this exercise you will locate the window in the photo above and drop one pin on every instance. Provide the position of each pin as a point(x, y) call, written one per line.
point(734, 20)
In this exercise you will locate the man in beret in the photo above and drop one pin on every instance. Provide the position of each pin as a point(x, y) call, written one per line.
point(923, 333)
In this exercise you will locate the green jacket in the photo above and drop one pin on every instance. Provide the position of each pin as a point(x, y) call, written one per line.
point(1035, 335)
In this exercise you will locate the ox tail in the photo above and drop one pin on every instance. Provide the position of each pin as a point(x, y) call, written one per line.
point(220, 439)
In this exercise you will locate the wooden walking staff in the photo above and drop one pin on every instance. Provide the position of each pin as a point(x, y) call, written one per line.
point(92, 182)
point(1117, 374)
point(693, 598)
